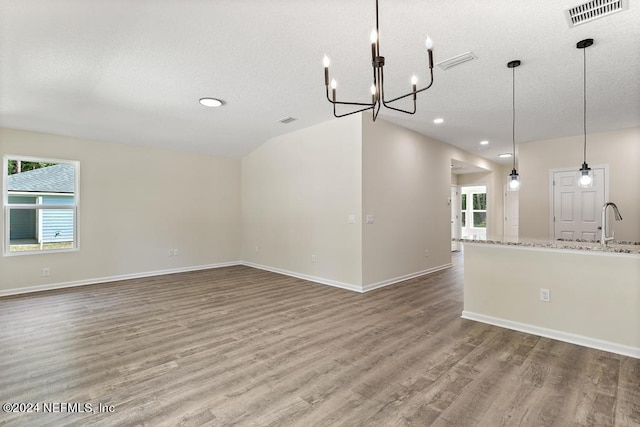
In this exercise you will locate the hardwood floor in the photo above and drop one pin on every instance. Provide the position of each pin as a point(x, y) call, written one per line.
point(240, 346)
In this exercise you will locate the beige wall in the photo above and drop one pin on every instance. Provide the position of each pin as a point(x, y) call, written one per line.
point(136, 203)
point(620, 150)
point(406, 186)
point(290, 198)
point(595, 296)
point(298, 191)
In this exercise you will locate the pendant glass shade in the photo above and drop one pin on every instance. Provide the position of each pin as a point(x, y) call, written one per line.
point(585, 176)
point(514, 182)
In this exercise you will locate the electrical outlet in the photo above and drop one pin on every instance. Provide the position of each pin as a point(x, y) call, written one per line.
point(426, 253)
point(256, 248)
point(176, 252)
point(170, 252)
point(313, 258)
point(545, 295)
point(45, 272)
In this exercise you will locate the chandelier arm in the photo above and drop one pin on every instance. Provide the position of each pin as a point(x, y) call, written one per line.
point(403, 111)
point(370, 105)
point(375, 112)
point(378, 83)
point(385, 102)
point(350, 113)
point(375, 80)
point(381, 79)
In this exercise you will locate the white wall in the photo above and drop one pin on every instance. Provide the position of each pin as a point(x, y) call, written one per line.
point(618, 149)
point(297, 193)
point(406, 186)
point(136, 203)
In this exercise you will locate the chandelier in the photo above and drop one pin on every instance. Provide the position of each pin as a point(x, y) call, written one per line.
point(377, 87)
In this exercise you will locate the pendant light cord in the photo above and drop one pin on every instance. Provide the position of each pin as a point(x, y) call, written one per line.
point(514, 117)
point(584, 101)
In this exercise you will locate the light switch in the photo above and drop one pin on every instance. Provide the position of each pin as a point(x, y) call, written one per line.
point(352, 219)
point(370, 218)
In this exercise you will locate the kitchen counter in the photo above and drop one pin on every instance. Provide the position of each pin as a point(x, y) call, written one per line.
point(578, 245)
point(576, 292)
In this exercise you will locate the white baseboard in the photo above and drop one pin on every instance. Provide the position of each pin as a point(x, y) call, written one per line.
point(315, 279)
point(320, 280)
point(94, 281)
point(582, 340)
point(372, 286)
point(348, 286)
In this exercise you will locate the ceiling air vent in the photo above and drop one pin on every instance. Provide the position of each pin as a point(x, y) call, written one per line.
point(593, 10)
point(286, 120)
point(456, 60)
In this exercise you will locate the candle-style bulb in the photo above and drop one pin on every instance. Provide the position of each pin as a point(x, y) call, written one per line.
point(373, 89)
point(325, 61)
point(414, 80)
point(374, 36)
point(333, 84)
point(429, 43)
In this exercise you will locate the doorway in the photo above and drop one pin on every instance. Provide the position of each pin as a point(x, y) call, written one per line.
point(473, 212)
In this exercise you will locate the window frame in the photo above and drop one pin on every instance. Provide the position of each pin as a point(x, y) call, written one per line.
point(38, 207)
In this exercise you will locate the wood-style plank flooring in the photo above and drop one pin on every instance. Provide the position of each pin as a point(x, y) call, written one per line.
point(240, 346)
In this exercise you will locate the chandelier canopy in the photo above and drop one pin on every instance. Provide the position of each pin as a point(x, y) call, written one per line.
point(377, 87)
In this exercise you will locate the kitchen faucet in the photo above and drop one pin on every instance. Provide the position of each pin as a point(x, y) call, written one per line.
point(603, 227)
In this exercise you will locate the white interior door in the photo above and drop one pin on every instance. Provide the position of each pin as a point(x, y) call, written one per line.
point(576, 211)
point(511, 215)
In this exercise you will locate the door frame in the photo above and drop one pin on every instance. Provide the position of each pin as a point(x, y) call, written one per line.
point(454, 201)
point(552, 228)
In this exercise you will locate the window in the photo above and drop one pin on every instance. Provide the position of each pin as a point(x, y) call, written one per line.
point(464, 210)
point(479, 210)
point(40, 201)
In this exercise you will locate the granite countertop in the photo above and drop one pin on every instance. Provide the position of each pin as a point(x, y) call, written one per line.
point(582, 245)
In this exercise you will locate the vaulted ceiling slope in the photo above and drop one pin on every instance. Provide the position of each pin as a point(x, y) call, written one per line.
point(133, 71)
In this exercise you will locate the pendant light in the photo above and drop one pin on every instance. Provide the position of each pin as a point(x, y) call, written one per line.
point(514, 182)
point(585, 175)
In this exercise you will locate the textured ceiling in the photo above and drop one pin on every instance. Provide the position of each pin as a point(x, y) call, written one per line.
point(133, 71)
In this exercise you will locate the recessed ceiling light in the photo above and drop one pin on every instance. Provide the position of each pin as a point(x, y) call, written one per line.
point(438, 121)
point(505, 155)
point(485, 142)
point(210, 102)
